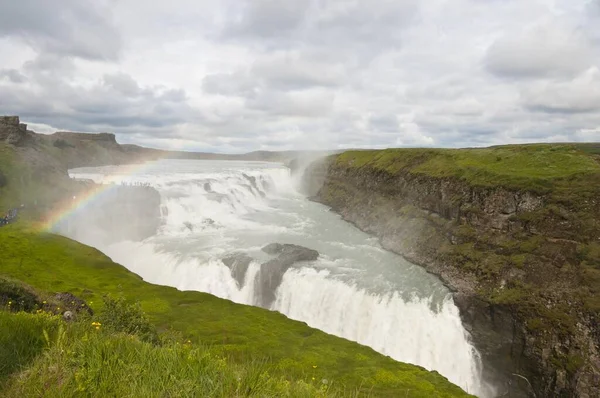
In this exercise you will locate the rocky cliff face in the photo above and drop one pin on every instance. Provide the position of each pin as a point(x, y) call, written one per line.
point(520, 263)
point(12, 131)
point(34, 171)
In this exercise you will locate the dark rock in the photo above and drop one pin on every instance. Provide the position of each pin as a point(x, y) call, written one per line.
point(12, 131)
point(21, 296)
point(238, 264)
point(70, 302)
point(271, 273)
point(253, 185)
point(289, 252)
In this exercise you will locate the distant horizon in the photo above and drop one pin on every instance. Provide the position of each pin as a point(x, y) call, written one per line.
point(308, 150)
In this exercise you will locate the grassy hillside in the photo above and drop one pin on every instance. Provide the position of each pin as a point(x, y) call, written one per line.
point(289, 350)
point(534, 167)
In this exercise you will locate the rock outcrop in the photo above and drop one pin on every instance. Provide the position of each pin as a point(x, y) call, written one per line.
point(238, 264)
point(12, 131)
point(522, 262)
point(271, 272)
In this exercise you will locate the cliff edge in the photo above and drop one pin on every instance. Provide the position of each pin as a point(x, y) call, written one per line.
point(513, 230)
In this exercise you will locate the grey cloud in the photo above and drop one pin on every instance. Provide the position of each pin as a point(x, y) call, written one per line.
point(232, 84)
point(550, 50)
point(353, 30)
point(304, 103)
point(368, 22)
point(384, 123)
point(79, 28)
point(12, 75)
point(122, 83)
point(580, 95)
point(116, 103)
point(293, 70)
point(267, 18)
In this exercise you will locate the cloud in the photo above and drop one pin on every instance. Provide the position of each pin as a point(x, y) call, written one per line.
point(80, 28)
point(242, 75)
point(581, 95)
point(114, 101)
point(12, 75)
point(540, 51)
point(267, 18)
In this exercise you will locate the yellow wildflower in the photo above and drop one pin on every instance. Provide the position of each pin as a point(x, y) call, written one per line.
point(314, 366)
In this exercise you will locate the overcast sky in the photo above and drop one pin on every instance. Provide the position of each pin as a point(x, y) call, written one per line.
point(240, 75)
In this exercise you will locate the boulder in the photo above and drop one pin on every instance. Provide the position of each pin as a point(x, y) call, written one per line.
point(238, 263)
point(271, 273)
point(71, 303)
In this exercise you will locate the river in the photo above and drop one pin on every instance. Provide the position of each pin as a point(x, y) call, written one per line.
point(356, 289)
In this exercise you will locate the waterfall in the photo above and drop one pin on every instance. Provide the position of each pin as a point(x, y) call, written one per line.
point(354, 290)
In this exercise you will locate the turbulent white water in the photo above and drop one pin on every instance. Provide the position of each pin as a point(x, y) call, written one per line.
point(354, 290)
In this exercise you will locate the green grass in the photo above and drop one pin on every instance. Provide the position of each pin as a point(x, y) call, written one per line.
point(240, 333)
point(533, 167)
point(80, 360)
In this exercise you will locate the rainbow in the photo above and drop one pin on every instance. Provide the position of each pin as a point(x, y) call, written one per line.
point(70, 206)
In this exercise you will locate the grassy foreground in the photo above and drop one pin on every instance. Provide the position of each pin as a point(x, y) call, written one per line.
point(227, 341)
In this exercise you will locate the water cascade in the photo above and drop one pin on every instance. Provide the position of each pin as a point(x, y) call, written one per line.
point(214, 210)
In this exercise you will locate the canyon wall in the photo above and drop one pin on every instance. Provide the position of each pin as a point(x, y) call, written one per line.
point(522, 257)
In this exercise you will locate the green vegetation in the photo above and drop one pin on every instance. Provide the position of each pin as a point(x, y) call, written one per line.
point(532, 167)
point(82, 359)
point(245, 340)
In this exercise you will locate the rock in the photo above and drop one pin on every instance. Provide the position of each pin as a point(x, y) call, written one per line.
point(68, 316)
point(12, 131)
point(238, 264)
point(271, 273)
point(72, 303)
point(253, 185)
point(291, 252)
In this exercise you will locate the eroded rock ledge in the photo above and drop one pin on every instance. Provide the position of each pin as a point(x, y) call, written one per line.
point(521, 262)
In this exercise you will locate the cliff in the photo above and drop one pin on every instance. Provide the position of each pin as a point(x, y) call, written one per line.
point(12, 131)
point(514, 231)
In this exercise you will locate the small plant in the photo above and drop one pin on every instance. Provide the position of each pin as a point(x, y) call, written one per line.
point(119, 315)
point(60, 143)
